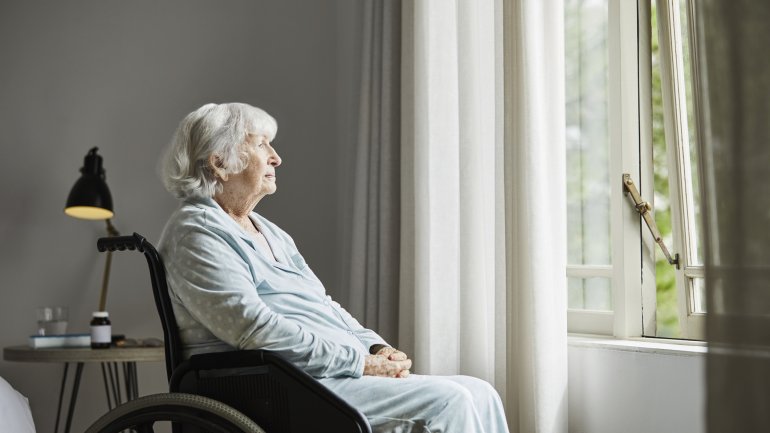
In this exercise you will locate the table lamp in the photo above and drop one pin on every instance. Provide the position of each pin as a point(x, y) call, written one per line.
point(90, 199)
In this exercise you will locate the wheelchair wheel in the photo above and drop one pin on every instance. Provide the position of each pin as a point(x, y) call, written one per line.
point(186, 409)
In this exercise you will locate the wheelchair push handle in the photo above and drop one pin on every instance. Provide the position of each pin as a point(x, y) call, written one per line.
point(121, 243)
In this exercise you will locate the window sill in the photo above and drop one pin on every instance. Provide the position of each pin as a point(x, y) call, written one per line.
point(659, 346)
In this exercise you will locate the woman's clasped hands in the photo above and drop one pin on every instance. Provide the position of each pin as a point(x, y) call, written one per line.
point(387, 362)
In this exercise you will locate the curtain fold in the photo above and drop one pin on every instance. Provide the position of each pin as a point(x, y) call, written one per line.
point(483, 226)
point(535, 188)
point(449, 182)
point(732, 86)
point(373, 275)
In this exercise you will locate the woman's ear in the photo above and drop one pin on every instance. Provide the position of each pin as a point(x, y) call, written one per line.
point(215, 163)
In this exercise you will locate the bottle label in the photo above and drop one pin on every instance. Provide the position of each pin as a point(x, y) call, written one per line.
point(101, 334)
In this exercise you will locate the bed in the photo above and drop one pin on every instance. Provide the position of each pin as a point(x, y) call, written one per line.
point(15, 415)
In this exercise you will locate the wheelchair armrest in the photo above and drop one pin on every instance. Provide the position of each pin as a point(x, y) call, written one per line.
point(264, 362)
point(231, 359)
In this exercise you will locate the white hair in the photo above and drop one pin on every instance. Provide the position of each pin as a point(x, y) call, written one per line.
point(213, 129)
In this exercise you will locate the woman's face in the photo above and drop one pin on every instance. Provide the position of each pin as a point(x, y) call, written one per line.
point(258, 179)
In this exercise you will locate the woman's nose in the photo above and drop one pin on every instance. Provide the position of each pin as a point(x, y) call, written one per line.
point(275, 160)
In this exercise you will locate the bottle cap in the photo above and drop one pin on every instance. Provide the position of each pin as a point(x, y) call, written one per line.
point(101, 314)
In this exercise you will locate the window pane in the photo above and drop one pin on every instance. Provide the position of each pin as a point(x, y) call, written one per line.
point(589, 294)
point(667, 309)
point(696, 249)
point(667, 313)
point(586, 84)
point(698, 288)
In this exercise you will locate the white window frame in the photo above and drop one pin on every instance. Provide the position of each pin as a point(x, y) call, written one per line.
point(632, 272)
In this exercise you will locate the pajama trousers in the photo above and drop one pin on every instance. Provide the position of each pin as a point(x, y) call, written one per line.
point(424, 404)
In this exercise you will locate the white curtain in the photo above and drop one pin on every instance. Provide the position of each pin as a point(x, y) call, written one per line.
point(483, 287)
point(535, 188)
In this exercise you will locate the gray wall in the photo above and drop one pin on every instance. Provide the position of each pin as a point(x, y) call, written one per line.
point(120, 75)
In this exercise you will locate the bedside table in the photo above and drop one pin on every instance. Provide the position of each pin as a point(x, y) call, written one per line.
point(109, 360)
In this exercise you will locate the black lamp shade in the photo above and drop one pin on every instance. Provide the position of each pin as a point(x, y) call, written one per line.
point(90, 197)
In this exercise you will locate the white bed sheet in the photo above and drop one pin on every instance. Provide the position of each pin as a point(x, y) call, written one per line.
point(15, 415)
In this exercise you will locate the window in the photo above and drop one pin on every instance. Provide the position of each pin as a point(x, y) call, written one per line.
point(630, 110)
point(675, 169)
point(589, 257)
point(587, 156)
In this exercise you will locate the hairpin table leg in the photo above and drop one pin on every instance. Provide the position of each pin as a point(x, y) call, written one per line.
point(74, 396)
point(61, 396)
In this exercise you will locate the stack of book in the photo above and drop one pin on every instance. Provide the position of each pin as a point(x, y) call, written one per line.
point(64, 340)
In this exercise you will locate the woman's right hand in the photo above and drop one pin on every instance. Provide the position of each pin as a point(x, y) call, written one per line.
point(379, 365)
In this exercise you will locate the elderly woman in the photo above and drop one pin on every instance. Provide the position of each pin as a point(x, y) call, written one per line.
point(238, 282)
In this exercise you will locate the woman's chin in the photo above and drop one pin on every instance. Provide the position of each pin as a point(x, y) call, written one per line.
point(267, 188)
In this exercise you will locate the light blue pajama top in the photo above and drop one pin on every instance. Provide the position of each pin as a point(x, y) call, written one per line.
point(228, 294)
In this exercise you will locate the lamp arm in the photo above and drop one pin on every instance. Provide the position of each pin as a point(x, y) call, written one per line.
point(112, 231)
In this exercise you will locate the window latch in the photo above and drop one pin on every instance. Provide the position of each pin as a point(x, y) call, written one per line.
point(645, 210)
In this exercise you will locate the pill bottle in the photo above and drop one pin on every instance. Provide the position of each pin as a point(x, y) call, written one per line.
point(101, 330)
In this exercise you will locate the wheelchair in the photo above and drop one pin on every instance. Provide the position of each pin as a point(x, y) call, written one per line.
point(241, 390)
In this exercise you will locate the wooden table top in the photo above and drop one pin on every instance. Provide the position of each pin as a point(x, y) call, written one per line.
point(83, 354)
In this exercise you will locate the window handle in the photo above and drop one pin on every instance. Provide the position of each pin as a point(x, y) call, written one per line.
point(645, 210)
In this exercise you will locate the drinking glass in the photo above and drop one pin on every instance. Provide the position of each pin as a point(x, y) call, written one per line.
point(52, 320)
